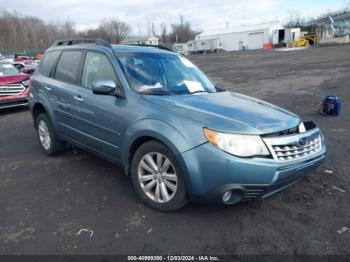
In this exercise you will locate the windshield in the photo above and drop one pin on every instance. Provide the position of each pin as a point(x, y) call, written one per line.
point(7, 69)
point(163, 74)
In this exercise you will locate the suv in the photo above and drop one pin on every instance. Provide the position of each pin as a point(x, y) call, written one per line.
point(176, 134)
point(14, 86)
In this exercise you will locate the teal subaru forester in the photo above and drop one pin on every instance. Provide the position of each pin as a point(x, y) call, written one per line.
point(176, 134)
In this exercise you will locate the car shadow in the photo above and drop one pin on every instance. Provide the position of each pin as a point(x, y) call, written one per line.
point(14, 110)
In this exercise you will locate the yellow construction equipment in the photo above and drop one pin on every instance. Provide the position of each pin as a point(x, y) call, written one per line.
point(306, 40)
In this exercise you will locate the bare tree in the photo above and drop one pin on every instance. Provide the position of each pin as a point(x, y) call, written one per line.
point(20, 33)
point(181, 31)
point(113, 31)
point(68, 29)
point(163, 33)
point(153, 30)
point(295, 20)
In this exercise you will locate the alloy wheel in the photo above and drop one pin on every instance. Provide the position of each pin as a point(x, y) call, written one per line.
point(44, 135)
point(157, 177)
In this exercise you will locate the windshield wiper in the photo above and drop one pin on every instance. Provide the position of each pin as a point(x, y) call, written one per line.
point(156, 93)
point(199, 91)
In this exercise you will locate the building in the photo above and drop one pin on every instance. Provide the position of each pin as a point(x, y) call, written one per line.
point(333, 25)
point(141, 41)
point(283, 37)
point(236, 38)
point(180, 48)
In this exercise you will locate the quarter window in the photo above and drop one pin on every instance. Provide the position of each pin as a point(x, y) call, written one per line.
point(48, 63)
point(97, 67)
point(68, 67)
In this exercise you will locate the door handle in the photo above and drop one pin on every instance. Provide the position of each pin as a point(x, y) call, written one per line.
point(48, 88)
point(78, 98)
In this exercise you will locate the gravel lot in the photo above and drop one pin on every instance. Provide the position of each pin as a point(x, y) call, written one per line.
point(46, 201)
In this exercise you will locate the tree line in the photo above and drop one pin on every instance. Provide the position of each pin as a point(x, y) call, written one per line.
point(19, 32)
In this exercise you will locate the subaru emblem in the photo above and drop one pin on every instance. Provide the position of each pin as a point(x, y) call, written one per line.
point(302, 141)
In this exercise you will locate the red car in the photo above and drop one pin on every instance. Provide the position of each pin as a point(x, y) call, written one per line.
point(25, 66)
point(21, 57)
point(14, 86)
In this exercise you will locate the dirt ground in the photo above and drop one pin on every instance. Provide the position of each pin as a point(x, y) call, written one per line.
point(76, 203)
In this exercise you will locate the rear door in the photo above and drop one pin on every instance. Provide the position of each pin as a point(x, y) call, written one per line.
point(42, 82)
point(66, 85)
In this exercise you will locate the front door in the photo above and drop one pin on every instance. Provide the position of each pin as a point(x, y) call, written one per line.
point(101, 117)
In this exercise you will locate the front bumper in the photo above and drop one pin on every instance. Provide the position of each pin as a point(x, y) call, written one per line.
point(19, 100)
point(211, 172)
point(13, 103)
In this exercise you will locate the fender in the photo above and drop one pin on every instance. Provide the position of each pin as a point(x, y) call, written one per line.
point(174, 140)
point(44, 101)
point(148, 127)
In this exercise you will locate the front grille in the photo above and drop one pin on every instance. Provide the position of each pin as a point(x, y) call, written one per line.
point(291, 152)
point(295, 147)
point(11, 89)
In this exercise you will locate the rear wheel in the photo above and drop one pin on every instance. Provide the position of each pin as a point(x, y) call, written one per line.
point(49, 142)
point(157, 177)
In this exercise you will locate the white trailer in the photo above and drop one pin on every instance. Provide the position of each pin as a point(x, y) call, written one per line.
point(180, 48)
point(204, 45)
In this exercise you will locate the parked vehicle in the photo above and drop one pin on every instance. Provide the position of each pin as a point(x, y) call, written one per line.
point(204, 45)
point(167, 125)
point(21, 57)
point(25, 66)
point(14, 86)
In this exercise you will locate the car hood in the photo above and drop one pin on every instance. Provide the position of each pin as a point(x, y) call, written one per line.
point(10, 79)
point(229, 112)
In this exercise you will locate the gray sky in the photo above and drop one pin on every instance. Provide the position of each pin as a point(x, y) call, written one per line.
point(203, 14)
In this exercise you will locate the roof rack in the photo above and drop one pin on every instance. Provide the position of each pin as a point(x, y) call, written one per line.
point(154, 46)
point(66, 42)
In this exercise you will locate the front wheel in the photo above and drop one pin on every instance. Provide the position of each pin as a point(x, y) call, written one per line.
point(157, 177)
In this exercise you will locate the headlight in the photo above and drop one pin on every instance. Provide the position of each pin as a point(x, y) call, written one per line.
point(26, 82)
point(238, 145)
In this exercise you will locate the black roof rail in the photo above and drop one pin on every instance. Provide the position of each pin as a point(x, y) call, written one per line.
point(154, 46)
point(66, 42)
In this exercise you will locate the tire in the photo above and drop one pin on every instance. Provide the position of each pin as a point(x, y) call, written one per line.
point(52, 145)
point(166, 193)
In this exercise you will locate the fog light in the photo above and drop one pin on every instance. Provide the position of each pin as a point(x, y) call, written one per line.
point(226, 196)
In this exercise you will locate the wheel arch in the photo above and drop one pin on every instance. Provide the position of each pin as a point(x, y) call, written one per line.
point(149, 129)
point(40, 107)
point(139, 141)
point(142, 139)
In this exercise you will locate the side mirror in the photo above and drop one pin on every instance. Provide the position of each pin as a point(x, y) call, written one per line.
point(106, 87)
point(219, 89)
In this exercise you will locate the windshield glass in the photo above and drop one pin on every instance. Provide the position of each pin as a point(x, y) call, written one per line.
point(163, 74)
point(7, 69)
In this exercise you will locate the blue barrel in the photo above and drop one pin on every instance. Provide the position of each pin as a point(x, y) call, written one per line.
point(331, 105)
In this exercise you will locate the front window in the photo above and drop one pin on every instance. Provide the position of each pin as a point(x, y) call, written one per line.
point(163, 74)
point(7, 69)
point(97, 67)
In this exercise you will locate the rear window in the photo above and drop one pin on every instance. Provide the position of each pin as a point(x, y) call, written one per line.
point(68, 67)
point(48, 62)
